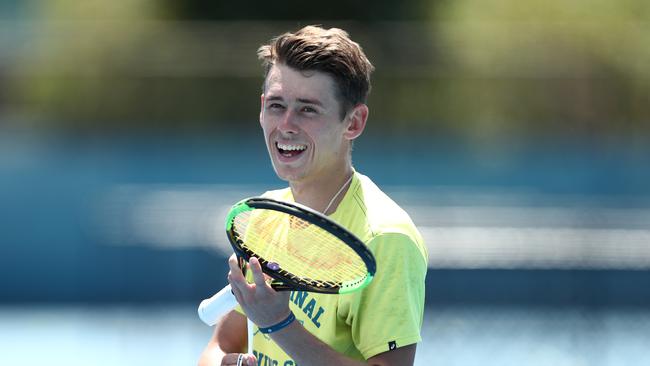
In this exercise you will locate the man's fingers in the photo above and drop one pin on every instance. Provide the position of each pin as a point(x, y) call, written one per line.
point(239, 296)
point(238, 359)
point(233, 263)
point(235, 272)
point(249, 360)
point(229, 359)
point(258, 275)
point(237, 281)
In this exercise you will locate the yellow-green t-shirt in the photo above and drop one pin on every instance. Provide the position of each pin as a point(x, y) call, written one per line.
point(385, 315)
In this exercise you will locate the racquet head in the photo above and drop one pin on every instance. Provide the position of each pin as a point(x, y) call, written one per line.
point(298, 247)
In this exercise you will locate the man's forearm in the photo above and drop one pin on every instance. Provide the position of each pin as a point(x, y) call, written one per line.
point(211, 355)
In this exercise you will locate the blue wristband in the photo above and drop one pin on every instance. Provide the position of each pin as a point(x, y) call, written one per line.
point(280, 325)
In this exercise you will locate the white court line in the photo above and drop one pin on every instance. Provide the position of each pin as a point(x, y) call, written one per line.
point(483, 236)
point(529, 247)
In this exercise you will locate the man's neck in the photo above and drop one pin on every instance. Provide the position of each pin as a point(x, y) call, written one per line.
point(318, 194)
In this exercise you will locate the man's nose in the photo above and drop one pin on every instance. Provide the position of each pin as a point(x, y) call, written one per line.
point(288, 123)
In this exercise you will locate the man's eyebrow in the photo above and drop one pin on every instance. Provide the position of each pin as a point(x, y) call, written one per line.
point(310, 101)
point(277, 98)
point(274, 98)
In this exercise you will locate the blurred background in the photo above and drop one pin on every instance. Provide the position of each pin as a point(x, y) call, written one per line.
point(514, 133)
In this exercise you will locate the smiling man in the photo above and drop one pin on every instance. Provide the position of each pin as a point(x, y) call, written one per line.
point(313, 106)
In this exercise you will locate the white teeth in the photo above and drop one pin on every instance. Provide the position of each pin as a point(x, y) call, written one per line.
point(291, 147)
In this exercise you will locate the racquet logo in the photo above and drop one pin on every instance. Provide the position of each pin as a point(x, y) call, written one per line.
point(296, 223)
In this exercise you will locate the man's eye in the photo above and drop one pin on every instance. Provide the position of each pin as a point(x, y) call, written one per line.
point(275, 106)
point(309, 110)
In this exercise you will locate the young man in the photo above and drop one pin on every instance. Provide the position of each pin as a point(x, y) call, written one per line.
point(312, 108)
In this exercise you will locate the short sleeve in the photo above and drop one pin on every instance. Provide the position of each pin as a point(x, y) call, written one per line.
point(388, 313)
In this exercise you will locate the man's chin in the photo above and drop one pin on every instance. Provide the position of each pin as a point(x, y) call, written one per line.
point(288, 175)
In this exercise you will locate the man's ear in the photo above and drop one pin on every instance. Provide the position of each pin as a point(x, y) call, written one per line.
point(261, 108)
point(356, 120)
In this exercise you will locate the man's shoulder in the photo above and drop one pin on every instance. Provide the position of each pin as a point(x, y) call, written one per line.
point(383, 224)
point(381, 213)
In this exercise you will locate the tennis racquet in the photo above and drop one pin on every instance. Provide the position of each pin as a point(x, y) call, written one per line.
point(299, 248)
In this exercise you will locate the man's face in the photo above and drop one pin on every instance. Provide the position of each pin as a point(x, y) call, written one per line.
point(300, 117)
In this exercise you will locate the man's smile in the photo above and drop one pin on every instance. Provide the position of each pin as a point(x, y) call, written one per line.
point(290, 150)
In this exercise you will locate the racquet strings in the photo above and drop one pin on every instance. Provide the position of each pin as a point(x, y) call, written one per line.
point(299, 247)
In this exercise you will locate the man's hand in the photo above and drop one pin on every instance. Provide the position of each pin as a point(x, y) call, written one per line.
point(261, 303)
point(228, 342)
point(233, 359)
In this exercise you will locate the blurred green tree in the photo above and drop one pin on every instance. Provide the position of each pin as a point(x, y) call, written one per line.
point(486, 70)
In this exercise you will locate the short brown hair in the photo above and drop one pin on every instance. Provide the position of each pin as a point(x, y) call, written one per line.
point(331, 51)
